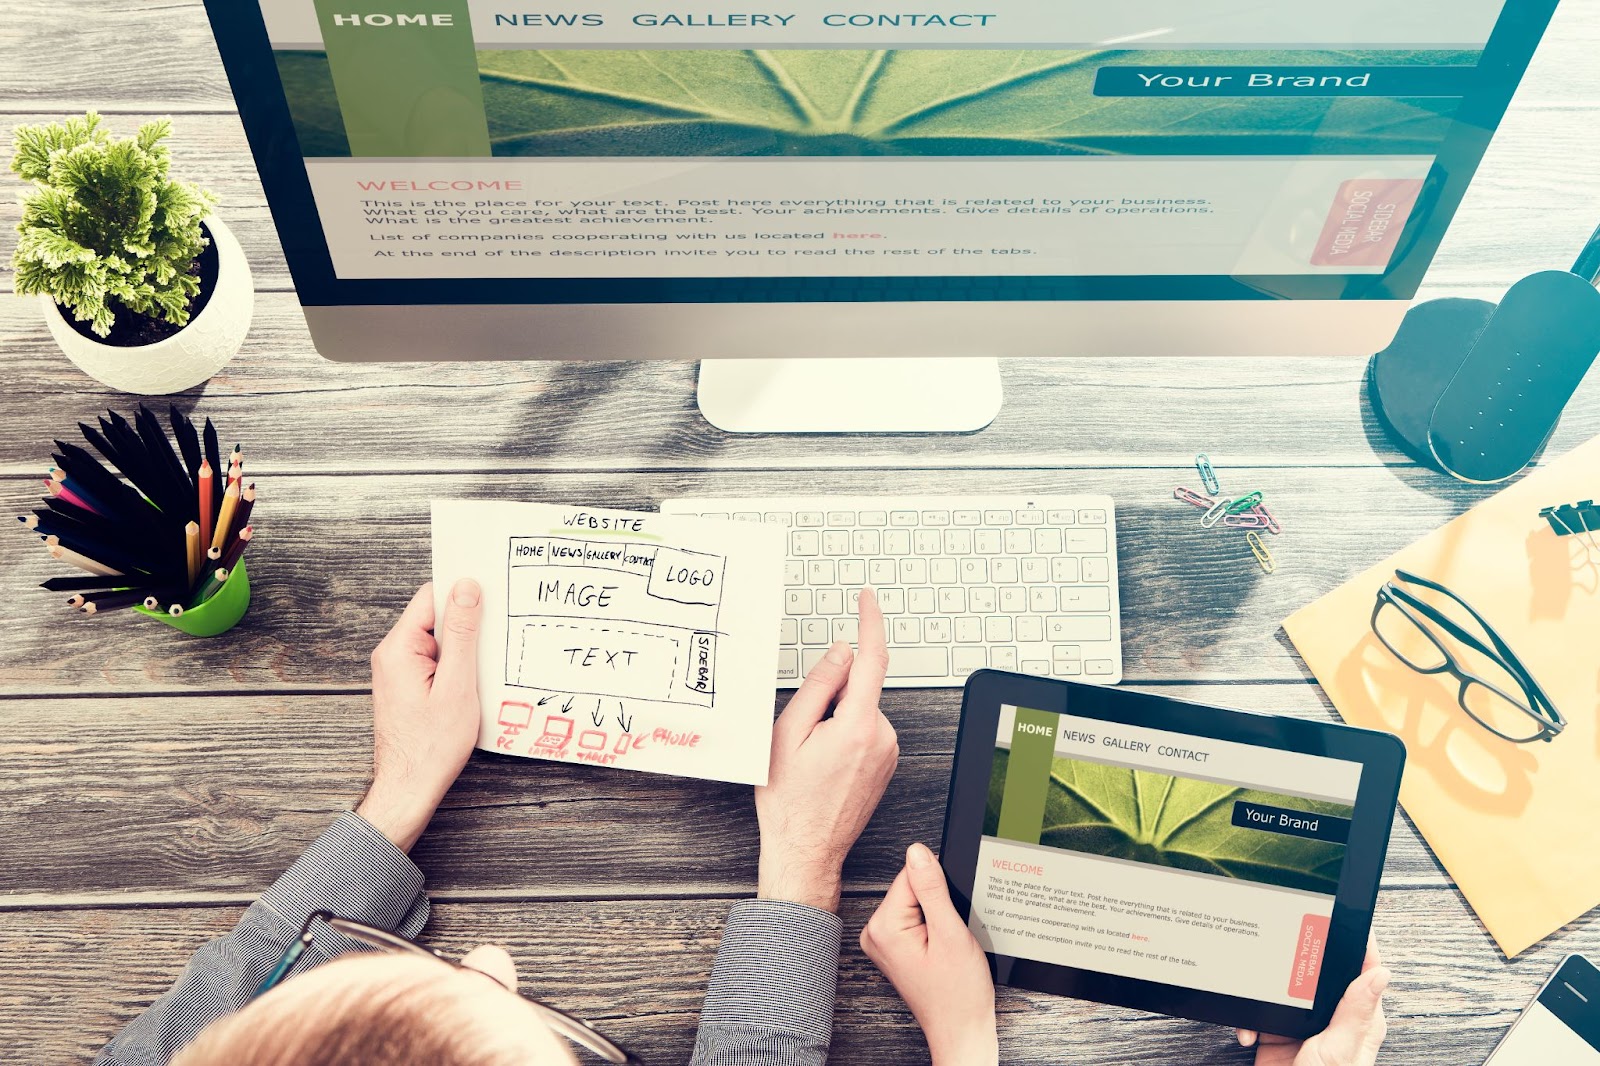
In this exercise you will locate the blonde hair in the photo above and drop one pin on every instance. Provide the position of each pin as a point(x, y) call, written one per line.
point(401, 1014)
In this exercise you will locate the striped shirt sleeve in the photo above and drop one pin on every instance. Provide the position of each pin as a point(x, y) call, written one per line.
point(352, 870)
point(770, 1002)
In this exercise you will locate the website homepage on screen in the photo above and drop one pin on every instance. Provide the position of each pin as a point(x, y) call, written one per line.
point(480, 139)
point(1161, 856)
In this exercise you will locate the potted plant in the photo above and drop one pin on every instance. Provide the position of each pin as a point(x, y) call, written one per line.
point(141, 285)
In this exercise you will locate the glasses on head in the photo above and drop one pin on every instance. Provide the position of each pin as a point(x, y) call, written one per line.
point(1497, 691)
point(575, 1030)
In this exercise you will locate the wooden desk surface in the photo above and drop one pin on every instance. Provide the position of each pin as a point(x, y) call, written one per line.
point(150, 785)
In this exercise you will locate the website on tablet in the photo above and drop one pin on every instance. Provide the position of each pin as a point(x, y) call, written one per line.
point(1161, 856)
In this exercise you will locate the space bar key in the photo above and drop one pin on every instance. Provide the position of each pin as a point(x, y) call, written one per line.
point(919, 662)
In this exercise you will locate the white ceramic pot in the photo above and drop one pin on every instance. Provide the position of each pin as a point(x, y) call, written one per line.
point(189, 356)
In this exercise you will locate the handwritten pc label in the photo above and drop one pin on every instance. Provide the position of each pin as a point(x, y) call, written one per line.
point(618, 638)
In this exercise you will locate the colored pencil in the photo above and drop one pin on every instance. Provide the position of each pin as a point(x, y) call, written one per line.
point(163, 457)
point(207, 483)
point(112, 601)
point(175, 610)
point(83, 562)
point(247, 503)
point(191, 541)
point(230, 505)
point(104, 554)
point(31, 521)
point(82, 468)
point(61, 492)
point(95, 583)
point(213, 456)
point(230, 558)
point(188, 439)
point(208, 588)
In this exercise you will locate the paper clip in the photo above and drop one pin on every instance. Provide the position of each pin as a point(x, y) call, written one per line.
point(1268, 519)
point(1562, 521)
point(1193, 498)
point(1215, 514)
point(1208, 474)
point(1244, 503)
point(1245, 520)
point(1259, 550)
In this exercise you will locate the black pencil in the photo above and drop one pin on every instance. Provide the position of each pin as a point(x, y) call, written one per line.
point(83, 468)
point(188, 440)
point(164, 457)
point(139, 470)
point(92, 582)
point(112, 601)
point(214, 457)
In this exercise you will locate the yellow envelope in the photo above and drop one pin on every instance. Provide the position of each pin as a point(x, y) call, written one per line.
point(1516, 825)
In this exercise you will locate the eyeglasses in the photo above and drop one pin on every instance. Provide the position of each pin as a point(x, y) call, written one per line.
point(1400, 615)
point(573, 1029)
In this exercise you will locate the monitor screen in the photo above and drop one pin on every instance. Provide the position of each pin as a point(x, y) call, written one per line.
point(634, 151)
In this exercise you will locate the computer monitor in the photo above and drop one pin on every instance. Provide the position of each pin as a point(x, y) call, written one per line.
point(865, 181)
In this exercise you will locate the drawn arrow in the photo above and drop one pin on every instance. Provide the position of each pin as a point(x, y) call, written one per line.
point(547, 699)
point(596, 717)
point(625, 723)
point(565, 707)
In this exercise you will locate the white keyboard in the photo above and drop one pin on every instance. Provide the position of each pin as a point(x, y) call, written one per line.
point(1027, 584)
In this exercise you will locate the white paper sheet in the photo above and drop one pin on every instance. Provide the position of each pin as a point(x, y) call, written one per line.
point(620, 638)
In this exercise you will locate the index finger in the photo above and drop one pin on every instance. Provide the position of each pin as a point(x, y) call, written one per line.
point(871, 664)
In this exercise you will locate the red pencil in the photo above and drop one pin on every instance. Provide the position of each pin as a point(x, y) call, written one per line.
point(61, 492)
point(230, 558)
point(206, 481)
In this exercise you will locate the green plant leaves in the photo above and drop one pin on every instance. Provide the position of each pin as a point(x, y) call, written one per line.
point(1179, 822)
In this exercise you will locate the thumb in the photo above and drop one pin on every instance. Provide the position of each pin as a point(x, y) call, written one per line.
point(1357, 1028)
point(926, 878)
point(457, 673)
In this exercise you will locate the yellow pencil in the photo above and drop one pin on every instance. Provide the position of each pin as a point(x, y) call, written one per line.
point(230, 504)
point(191, 543)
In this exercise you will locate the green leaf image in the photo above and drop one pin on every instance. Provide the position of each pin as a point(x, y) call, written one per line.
point(665, 102)
point(308, 86)
point(1176, 821)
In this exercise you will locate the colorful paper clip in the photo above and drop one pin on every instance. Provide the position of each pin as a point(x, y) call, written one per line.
point(1244, 520)
point(1259, 550)
point(1215, 514)
point(1193, 498)
point(1268, 519)
point(1208, 474)
point(1244, 503)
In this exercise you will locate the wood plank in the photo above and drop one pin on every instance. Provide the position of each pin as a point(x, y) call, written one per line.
point(208, 799)
point(638, 970)
point(337, 557)
point(175, 64)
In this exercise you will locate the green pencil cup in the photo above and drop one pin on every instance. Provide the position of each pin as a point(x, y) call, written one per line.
point(215, 616)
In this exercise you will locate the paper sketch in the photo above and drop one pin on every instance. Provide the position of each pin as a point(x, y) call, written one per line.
point(620, 638)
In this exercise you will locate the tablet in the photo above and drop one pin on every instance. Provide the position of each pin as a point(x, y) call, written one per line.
point(1143, 851)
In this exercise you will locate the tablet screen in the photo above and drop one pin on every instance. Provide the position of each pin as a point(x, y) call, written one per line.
point(1161, 856)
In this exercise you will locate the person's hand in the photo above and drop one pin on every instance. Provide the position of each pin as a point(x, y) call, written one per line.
point(828, 773)
point(922, 946)
point(1353, 1035)
point(424, 711)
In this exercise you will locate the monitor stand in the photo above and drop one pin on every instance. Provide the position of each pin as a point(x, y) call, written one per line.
point(826, 395)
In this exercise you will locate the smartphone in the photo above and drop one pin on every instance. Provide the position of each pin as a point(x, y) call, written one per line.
point(1561, 1025)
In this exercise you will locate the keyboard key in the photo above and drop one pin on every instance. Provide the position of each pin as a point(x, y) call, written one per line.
point(794, 572)
point(920, 601)
point(1096, 569)
point(1095, 517)
point(919, 661)
point(943, 571)
point(974, 572)
point(779, 518)
point(1030, 517)
point(841, 518)
point(881, 571)
point(927, 542)
point(788, 664)
point(997, 518)
point(1035, 571)
point(906, 630)
point(903, 518)
point(852, 602)
point(814, 631)
point(958, 542)
point(1003, 658)
point(965, 660)
point(913, 571)
point(1061, 518)
point(953, 600)
point(1036, 666)
point(1079, 627)
point(897, 542)
point(1066, 651)
point(1086, 599)
point(835, 542)
point(846, 628)
point(1047, 541)
point(804, 542)
point(852, 572)
point(1099, 666)
point(1003, 570)
point(997, 629)
point(936, 630)
point(820, 572)
point(935, 518)
point(788, 631)
point(1064, 570)
point(1042, 598)
point(892, 601)
point(714, 514)
point(982, 601)
point(966, 518)
point(1018, 541)
point(1030, 629)
point(1086, 541)
point(808, 519)
point(873, 518)
point(986, 541)
point(1067, 667)
point(830, 601)
point(747, 516)
point(798, 601)
point(1014, 600)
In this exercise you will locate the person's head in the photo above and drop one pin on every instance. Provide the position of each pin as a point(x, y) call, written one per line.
point(368, 1009)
